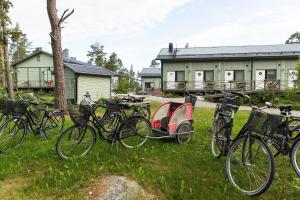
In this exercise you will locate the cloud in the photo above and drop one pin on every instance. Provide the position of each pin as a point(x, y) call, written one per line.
point(263, 26)
point(96, 18)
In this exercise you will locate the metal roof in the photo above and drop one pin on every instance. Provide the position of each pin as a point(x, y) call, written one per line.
point(89, 69)
point(150, 72)
point(222, 52)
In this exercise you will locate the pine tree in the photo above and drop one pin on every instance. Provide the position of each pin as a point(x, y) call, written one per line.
point(19, 47)
point(5, 5)
point(154, 63)
point(294, 38)
point(97, 55)
point(114, 63)
point(66, 53)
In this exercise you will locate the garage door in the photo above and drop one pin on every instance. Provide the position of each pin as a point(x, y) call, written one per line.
point(98, 87)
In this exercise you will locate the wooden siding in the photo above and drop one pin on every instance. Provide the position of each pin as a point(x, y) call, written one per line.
point(98, 87)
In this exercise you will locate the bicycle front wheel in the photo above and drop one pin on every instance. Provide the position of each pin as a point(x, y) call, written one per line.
point(12, 134)
point(134, 131)
point(250, 165)
point(76, 141)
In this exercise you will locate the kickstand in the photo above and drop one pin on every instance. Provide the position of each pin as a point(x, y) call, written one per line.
point(43, 136)
point(114, 142)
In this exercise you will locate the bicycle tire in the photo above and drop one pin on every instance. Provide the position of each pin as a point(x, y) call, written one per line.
point(56, 122)
point(143, 111)
point(294, 153)
point(12, 133)
point(246, 165)
point(74, 136)
point(133, 131)
point(216, 140)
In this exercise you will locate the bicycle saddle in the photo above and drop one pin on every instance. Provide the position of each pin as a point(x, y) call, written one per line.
point(49, 103)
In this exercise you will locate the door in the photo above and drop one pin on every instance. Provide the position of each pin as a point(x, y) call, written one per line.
point(260, 79)
point(170, 80)
point(292, 77)
point(199, 78)
point(229, 76)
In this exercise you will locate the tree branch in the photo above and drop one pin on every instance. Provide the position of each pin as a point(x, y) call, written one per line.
point(64, 16)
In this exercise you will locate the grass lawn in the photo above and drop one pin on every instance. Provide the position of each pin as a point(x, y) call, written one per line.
point(168, 169)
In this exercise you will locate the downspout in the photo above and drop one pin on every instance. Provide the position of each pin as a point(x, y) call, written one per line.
point(76, 88)
point(251, 75)
point(162, 76)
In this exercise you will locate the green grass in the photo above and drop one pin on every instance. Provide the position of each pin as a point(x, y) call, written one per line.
point(166, 168)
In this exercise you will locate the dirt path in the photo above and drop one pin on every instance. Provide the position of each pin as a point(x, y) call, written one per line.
point(201, 103)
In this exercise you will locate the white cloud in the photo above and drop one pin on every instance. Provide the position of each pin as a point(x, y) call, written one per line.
point(96, 18)
point(263, 26)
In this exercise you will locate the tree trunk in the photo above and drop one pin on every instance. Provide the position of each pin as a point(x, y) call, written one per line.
point(60, 96)
point(8, 75)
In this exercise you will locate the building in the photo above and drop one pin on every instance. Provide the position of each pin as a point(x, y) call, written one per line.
point(37, 72)
point(151, 79)
point(247, 68)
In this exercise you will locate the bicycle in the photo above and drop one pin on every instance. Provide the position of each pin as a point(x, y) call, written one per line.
point(39, 121)
point(248, 157)
point(140, 107)
point(79, 139)
point(282, 132)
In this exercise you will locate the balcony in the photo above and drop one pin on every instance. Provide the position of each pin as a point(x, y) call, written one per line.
point(271, 85)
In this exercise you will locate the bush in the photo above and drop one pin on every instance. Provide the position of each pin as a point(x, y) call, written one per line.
point(264, 96)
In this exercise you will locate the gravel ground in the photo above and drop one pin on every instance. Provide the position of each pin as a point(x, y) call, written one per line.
point(201, 103)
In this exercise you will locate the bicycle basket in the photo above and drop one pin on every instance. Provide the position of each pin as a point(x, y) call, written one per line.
point(112, 106)
point(260, 122)
point(79, 114)
point(4, 106)
point(19, 107)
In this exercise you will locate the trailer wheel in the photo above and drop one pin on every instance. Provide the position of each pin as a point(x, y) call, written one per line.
point(184, 132)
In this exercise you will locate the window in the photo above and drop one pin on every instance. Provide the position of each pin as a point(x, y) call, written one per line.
point(271, 74)
point(38, 58)
point(179, 76)
point(147, 85)
point(209, 75)
point(239, 75)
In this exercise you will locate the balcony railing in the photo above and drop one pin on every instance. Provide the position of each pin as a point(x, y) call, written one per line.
point(229, 85)
point(35, 84)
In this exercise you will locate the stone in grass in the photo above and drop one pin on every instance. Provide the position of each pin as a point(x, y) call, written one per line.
point(117, 188)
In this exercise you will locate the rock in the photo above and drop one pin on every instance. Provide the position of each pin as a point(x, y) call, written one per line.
point(117, 188)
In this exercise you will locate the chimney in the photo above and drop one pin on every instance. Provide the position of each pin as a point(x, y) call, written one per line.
point(171, 49)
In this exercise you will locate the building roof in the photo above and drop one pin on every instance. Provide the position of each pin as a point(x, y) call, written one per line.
point(231, 52)
point(89, 69)
point(76, 66)
point(150, 72)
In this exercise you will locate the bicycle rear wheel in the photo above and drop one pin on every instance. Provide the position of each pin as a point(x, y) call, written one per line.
point(134, 131)
point(250, 165)
point(53, 125)
point(218, 140)
point(76, 141)
point(12, 134)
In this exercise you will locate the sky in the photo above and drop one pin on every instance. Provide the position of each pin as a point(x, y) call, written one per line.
point(137, 29)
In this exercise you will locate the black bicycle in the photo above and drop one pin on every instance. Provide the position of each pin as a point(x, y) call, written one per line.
point(139, 106)
point(283, 135)
point(250, 164)
point(79, 139)
point(26, 115)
